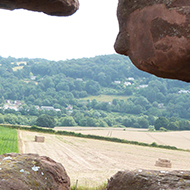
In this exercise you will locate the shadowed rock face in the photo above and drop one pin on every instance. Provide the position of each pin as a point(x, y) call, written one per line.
point(50, 7)
point(149, 180)
point(31, 171)
point(155, 34)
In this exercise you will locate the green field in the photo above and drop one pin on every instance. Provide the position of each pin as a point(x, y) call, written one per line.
point(106, 98)
point(8, 140)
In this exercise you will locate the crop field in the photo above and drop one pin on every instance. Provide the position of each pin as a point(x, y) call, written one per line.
point(93, 162)
point(8, 140)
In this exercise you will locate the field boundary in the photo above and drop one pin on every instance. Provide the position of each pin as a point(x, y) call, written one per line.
point(20, 142)
point(96, 137)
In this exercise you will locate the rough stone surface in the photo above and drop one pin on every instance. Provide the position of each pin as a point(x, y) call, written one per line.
point(50, 7)
point(155, 34)
point(31, 171)
point(149, 180)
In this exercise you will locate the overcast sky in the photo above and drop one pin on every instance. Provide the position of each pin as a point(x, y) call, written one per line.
point(91, 31)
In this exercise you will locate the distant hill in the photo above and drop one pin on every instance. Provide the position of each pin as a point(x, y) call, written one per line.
point(63, 85)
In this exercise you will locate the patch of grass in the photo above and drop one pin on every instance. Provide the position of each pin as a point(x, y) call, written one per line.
point(101, 187)
point(27, 81)
point(21, 62)
point(106, 98)
point(17, 68)
point(8, 140)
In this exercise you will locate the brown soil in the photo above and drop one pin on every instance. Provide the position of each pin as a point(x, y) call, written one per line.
point(92, 162)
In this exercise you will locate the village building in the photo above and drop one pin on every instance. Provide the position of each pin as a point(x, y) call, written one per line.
point(69, 107)
point(117, 82)
point(33, 77)
point(79, 79)
point(183, 91)
point(142, 86)
point(127, 83)
point(130, 78)
point(48, 108)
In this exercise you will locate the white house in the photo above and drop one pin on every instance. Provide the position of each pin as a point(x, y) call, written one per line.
point(79, 79)
point(47, 108)
point(33, 77)
point(131, 78)
point(183, 91)
point(143, 86)
point(117, 82)
point(127, 83)
point(69, 107)
point(161, 106)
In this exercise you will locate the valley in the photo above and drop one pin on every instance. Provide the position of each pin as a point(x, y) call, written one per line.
point(92, 162)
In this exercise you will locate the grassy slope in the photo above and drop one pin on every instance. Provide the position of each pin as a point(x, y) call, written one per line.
point(101, 187)
point(106, 98)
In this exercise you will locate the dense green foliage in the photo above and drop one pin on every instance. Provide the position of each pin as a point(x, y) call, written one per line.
point(66, 85)
point(8, 140)
point(45, 121)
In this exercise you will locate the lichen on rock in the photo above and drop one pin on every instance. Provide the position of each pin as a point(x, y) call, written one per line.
point(31, 171)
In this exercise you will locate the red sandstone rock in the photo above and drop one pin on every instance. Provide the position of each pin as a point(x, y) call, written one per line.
point(50, 7)
point(150, 180)
point(155, 34)
point(31, 171)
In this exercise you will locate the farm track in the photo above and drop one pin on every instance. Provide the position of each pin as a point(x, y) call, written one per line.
point(92, 162)
point(155, 139)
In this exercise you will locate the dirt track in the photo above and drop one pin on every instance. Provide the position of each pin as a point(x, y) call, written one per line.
point(92, 162)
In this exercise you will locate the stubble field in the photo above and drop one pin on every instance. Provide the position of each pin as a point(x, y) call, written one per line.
point(179, 139)
point(92, 162)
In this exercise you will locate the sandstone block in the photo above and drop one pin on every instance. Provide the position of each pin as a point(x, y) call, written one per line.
point(50, 7)
point(156, 36)
point(31, 171)
point(149, 180)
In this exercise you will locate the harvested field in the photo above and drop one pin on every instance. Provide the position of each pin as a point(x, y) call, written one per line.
point(92, 162)
point(179, 139)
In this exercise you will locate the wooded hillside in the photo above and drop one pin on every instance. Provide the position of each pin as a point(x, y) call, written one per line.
point(70, 90)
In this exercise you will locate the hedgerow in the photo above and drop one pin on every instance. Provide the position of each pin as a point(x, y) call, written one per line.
point(97, 137)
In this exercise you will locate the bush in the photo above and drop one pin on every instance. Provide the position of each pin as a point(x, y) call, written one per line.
point(162, 129)
point(68, 121)
point(154, 144)
point(151, 128)
point(136, 125)
point(161, 122)
point(45, 121)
